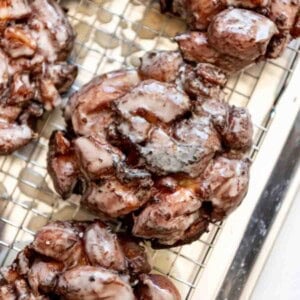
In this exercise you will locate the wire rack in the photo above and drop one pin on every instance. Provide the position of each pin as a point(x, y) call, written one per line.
point(112, 34)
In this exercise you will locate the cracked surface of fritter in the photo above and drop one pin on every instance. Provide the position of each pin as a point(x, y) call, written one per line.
point(160, 151)
point(235, 34)
point(83, 260)
point(35, 42)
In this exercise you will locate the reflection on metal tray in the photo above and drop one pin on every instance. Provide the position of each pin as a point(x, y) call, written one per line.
point(112, 34)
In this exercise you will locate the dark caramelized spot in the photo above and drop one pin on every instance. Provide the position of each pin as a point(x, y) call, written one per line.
point(207, 207)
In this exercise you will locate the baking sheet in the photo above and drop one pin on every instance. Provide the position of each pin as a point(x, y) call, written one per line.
point(112, 34)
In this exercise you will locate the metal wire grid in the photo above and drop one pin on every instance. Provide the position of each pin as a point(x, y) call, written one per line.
point(27, 200)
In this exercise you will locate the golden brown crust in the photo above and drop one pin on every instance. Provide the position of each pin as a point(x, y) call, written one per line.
point(77, 260)
point(36, 39)
point(234, 34)
point(147, 160)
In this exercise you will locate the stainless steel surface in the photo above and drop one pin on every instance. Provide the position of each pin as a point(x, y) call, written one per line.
point(279, 276)
point(113, 34)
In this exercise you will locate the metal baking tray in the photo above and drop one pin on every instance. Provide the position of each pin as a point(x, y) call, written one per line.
point(113, 34)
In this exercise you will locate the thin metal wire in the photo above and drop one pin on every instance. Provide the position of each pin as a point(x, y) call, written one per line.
point(13, 187)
